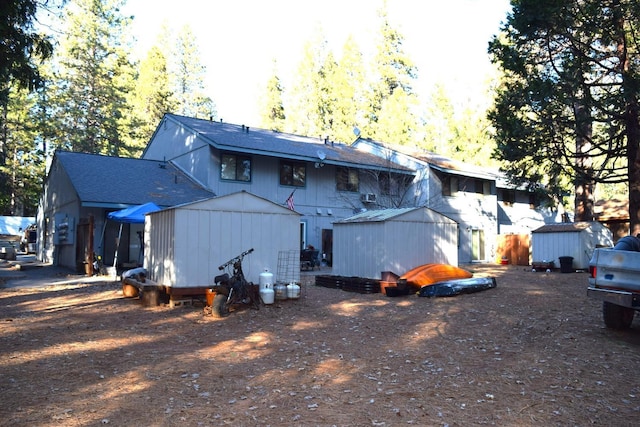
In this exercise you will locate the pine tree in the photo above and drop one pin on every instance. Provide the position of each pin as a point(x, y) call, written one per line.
point(95, 77)
point(348, 85)
point(272, 112)
point(188, 75)
point(392, 72)
point(152, 97)
point(22, 48)
point(305, 115)
point(568, 109)
point(24, 165)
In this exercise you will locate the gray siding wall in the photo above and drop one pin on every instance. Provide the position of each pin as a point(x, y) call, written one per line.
point(367, 249)
point(60, 199)
point(319, 203)
point(188, 243)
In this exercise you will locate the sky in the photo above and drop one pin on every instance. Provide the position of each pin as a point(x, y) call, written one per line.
point(240, 39)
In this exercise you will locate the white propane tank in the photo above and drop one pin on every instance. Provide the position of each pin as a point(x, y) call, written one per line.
point(293, 290)
point(281, 291)
point(266, 278)
point(267, 294)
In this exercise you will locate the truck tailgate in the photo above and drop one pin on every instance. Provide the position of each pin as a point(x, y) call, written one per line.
point(615, 269)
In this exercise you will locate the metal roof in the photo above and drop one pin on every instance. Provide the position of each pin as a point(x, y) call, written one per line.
point(104, 181)
point(564, 227)
point(381, 215)
point(243, 139)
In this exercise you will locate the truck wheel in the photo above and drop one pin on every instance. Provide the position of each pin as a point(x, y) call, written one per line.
point(219, 306)
point(617, 317)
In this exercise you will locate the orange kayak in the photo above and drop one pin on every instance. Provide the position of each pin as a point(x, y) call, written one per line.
point(428, 274)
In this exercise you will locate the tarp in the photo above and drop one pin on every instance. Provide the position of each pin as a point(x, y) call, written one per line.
point(134, 214)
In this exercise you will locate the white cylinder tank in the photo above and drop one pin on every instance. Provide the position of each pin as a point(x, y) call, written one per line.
point(267, 294)
point(266, 278)
point(293, 290)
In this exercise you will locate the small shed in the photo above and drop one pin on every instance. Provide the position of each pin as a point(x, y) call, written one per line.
point(572, 239)
point(185, 244)
point(395, 240)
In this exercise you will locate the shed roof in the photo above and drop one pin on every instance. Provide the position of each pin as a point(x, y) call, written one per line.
point(381, 215)
point(104, 181)
point(242, 139)
point(241, 201)
point(564, 227)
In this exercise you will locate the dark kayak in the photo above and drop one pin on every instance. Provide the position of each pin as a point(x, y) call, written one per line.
point(451, 288)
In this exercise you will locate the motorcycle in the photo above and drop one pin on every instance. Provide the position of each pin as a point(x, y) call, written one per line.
point(234, 289)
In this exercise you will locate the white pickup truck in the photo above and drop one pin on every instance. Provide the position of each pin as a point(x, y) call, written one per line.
point(614, 278)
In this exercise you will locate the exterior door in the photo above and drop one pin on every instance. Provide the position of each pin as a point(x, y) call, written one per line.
point(477, 245)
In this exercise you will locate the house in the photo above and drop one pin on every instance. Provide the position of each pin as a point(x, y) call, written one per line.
point(323, 180)
point(614, 214)
point(189, 159)
point(479, 199)
point(81, 189)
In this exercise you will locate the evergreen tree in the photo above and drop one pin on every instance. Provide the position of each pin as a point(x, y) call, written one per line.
point(348, 85)
point(460, 134)
point(440, 132)
point(392, 72)
point(188, 78)
point(305, 117)
point(94, 79)
point(24, 165)
point(22, 48)
point(272, 107)
point(152, 97)
point(567, 110)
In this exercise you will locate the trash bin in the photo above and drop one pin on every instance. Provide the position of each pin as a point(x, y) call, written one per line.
point(566, 264)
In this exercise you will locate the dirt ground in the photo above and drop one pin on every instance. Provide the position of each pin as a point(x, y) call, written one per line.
point(533, 351)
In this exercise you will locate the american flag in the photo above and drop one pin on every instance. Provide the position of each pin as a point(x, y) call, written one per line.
point(289, 202)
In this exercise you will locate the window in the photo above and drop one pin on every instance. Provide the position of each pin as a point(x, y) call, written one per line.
point(534, 201)
point(347, 179)
point(394, 184)
point(449, 185)
point(235, 168)
point(293, 173)
point(508, 197)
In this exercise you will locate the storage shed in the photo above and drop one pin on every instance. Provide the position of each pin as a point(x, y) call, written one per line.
point(185, 244)
point(395, 240)
point(572, 239)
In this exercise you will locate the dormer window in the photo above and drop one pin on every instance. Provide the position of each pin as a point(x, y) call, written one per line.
point(235, 168)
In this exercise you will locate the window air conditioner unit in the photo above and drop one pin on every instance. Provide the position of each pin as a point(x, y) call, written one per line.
point(368, 198)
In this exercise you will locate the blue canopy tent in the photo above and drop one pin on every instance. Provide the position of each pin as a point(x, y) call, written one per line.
point(131, 215)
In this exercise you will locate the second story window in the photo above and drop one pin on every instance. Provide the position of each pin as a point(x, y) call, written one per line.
point(293, 173)
point(347, 179)
point(449, 185)
point(235, 168)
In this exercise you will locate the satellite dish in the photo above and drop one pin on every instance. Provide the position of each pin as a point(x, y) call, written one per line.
point(356, 131)
point(321, 155)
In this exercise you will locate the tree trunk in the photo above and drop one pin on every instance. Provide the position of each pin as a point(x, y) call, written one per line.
point(584, 182)
point(633, 141)
point(630, 92)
